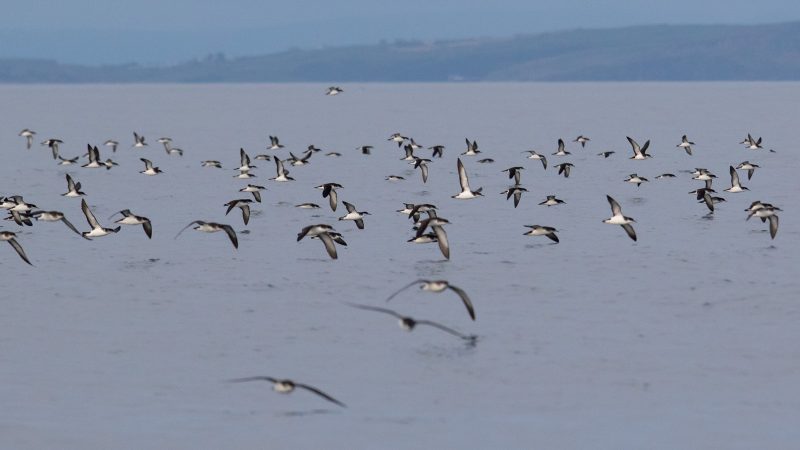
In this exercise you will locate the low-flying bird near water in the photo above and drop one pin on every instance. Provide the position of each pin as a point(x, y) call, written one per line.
point(28, 135)
point(97, 230)
point(73, 188)
point(149, 169)
point(438, 286)
point(334, 90)
point(533, 154)
point(53, 144)
point(324, 233)
point(540, 230)
point(138, 141)
point(212, 227)
point(354, 215)
point(243, 204)
point(281, 173)
point(288, 386)
point(329, 191)
point(639, 152)
point(128, 218)
point(582, 140)
point(408, 323)
point(435, 224)
point(472, 148)
point(686, 145)
point(562, 150)
point(618, 218)
point(466, 193)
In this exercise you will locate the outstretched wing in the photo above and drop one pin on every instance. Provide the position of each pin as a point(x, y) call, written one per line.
point(629, 229)
point(376, 309)
point(462, 176)
point(148, 229)
point(773, 225)
point(404, 288)
point(89, 216)
point(71, 226)
point(24, 257)
point(441, 238)
point(196, 222)
point(330, 246)
point(246, 379)
point(465, 299)
point(734, 177)
point(445, 329)
point(320, 393)
point(615, 208)
point(231, 234)
point(636, 149)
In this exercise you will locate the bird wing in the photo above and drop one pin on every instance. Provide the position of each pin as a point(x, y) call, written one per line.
point(231, 234)
point(330, 246)
point(709, 201)
point(773, 225)
point(424, 168)
point(734, 177)
point(257, 196)
point(462, 176)
point(245, 213)
point(320, 393)
point(615, 208)
point(89, 216)
point(465, 299)
point(196, 222)
point(444, 328)
point(148, 229)
point(636, 149)
point(279, 166)
point(375, 308)
point(629, 229)
point(24, 257)
point(259, 378)
point(70, 183)
point(405, 287)
point(441, 239)
point(350, 207)
point(333, 199)
point(148, 165)
point(70, 226)
point(560, 145)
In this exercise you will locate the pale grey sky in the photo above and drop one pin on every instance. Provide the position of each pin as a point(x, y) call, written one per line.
point(156, 31)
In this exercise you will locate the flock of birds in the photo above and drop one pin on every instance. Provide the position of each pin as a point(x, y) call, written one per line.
point(428, 226)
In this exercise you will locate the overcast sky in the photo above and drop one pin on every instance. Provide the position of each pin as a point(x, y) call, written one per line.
point(162, 31)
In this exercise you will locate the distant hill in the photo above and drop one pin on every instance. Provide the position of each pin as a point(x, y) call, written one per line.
point(657, 52)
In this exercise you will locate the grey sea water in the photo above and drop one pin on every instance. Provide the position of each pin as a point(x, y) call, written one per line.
point(684, 339)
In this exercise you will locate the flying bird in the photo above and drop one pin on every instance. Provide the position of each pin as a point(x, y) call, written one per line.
point(128, 218)
point(409, 323)
point(212, 227)
point(539, 230)
point(639, 152)
point(355, 215)
point(97, 230)
point(438, 286)
point(618, 218)
point(466, 192)
point(287, 386)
